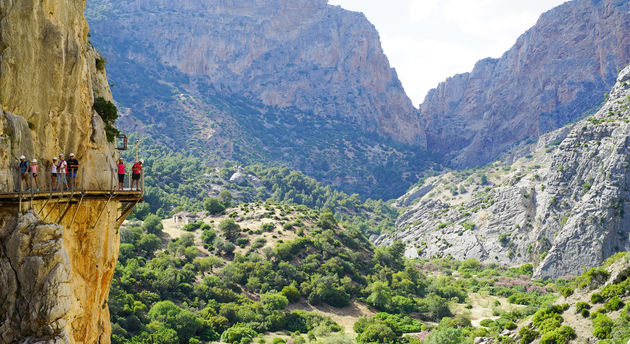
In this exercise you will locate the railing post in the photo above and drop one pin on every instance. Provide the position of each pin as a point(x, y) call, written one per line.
point(30, 177)
point(20, 188)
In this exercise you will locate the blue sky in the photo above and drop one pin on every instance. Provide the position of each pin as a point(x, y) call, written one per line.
point(430, 40)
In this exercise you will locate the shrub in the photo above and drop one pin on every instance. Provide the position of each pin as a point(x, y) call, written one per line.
point(237, 333)
point(267, 227)
point(527, 335)
point(597, 298)
point(602, 326)
point(208, 236)
point(242, 242)
point(213, 206)
point(566, 292)
point(613, 304)
point(258, 243)
point(100, 63)
point(230, 229)
point(291, 292)
point(191, 227)
point(487, 323)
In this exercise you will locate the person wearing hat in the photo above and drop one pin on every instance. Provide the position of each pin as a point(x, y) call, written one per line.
point(136, 169)
point(62, 167)
point(34, 171)
point(53, 173)
point(73, 167)
point(24, 168)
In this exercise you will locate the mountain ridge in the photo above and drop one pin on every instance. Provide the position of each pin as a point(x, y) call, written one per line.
point(563, 205)
point(555, 72)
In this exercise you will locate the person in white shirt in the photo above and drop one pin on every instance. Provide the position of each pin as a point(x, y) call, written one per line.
point(61, 173)
point(53, 172)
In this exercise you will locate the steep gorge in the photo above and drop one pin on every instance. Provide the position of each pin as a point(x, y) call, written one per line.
point(554, 74)
point(54, 279)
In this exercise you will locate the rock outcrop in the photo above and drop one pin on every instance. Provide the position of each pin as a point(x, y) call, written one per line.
point(564, 206)
point(555, 72)
point(54, 279)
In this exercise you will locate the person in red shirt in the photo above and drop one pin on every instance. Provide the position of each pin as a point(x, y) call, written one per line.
point(121, 173)
point(136, 169)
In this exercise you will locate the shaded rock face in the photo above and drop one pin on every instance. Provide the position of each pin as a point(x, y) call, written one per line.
point(320, 59)
point(565, 206)
point(54, 281)
point(558, 70)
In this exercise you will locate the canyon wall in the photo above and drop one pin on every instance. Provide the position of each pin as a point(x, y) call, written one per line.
point(555, 73)
point(54, 280)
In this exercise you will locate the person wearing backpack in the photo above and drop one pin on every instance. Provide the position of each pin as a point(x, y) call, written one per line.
point(136, 169)
point(24, 169)
point(62, 167)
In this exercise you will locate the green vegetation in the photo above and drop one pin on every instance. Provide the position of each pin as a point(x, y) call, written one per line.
point(109, 113)
point(100, 63)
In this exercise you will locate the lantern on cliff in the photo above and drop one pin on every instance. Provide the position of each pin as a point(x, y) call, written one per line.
point(121, 142)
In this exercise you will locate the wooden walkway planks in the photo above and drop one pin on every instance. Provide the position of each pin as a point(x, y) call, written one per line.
point(122, 195)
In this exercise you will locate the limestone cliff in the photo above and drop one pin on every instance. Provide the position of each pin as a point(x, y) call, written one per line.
point(296, 82)
point(564, 205)
point(302, 53)
point(554, 73)
point(54, 281)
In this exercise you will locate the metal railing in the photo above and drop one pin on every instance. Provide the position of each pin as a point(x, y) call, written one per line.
point(69, 187)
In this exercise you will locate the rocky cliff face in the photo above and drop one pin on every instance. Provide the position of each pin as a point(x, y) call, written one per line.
point(296, 82)
point(320, 59)
point(54, 281)
point(556, 71)
point(564, 205)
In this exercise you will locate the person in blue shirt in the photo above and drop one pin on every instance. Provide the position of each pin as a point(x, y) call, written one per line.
point(24, 169)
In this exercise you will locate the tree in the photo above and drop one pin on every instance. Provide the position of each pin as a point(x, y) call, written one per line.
point(327, 220)
point(152, 224)
point(380, 295)
point(274, 301)
point(446, 335)
point(225, 196)
point(207, 236)
point(230, 229)
point(213, 206)
point(377, 333)
point(149, 243)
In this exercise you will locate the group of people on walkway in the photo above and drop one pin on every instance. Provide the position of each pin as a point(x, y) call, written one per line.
point(63, 172)
point(136, 169)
